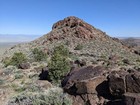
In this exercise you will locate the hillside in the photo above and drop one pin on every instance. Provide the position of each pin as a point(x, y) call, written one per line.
point(74, 64)
point(73, 31)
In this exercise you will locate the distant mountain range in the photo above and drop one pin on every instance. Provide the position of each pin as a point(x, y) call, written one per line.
point(17, 38)
point(26, 38)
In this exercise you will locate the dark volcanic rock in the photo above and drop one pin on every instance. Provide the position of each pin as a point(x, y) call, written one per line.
point(117, 83)
point(131, 99)
point(44, 74)
point(133, 83)
point(121, 82)
point(84, 80)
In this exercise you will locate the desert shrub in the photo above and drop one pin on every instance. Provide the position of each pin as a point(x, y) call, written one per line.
point(61, 50)
point(9, 70)
point(1, 81)
point(6, 62)
point(18, 88)
point(59, 65)
point(126, 61)
point(17, 59)
point(52, 97)
point(18, 76)
point(78, 47)
point(39, 55)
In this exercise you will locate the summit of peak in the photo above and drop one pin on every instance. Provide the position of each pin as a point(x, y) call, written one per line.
point(70, 21)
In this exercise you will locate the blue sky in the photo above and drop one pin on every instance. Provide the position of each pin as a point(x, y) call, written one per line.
point(119, 18)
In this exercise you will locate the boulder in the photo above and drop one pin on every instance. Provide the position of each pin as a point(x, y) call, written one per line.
point(89, 86)
point(86, 83)
point(131, 99)
point(133, 82)
point(24, 66)
point(116, 81)
point(84, 80)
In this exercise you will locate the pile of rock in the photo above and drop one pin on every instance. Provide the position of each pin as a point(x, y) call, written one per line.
point(84, 84)
point(126, 86)
point(96, 86)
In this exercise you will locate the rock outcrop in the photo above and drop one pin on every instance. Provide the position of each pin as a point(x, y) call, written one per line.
point(125, 86)
point(96, 86)
point(86, 83)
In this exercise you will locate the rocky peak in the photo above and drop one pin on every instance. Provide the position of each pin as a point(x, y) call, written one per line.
point(70, 22)
point(74, 27)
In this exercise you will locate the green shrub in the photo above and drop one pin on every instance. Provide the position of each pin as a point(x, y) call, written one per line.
point(78, 47)
point(39, 55)
point(17, 59)
point(58, 67)
point(62, 50)
point(18, 88)
point(1, 81)
point(18, 76)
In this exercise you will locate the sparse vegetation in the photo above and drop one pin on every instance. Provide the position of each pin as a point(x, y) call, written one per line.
point(78, 47)
point(61, 50)
point(18, 88)
point(18, 76)
point(39, 55)
point(53, 96)
point(17, 59)
point(1, 81)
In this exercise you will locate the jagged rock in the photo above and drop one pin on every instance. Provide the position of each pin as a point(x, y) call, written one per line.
point(84, 80)
point(133, 82)
point(131, 99)
point(24, 66)
point(117, 83)
point(121, 82)
point(73, 27)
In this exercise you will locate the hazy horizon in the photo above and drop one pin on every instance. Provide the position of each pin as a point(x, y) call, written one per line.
point(18, 38)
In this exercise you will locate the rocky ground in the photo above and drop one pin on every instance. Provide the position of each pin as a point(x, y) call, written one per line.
point(104, 70)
